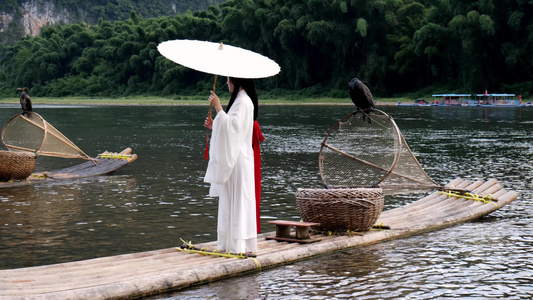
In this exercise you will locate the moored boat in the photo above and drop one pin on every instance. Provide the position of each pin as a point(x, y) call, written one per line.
point(452, 99)
point(500, 100)
point(483, 100)
point(418, 102)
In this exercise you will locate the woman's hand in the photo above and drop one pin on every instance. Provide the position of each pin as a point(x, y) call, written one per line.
point(208, 123)
point(215, 101)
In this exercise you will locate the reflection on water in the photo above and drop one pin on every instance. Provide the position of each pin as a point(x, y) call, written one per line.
point(161, 198)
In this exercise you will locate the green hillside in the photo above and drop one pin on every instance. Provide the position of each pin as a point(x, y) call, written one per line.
point(91, 11)
point(398, 47)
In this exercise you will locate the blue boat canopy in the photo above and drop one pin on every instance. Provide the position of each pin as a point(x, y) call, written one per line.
point(451, 95)
point(495, 95)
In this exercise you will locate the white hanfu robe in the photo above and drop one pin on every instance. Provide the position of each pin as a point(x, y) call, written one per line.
point(231, 174)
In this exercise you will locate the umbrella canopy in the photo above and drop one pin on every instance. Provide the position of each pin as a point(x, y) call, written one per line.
point(219, 59)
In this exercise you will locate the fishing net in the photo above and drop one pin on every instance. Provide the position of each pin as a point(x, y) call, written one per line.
point(368, 150)
point(34, 134)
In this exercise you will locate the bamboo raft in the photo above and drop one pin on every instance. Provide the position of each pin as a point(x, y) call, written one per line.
point(153, 272)
point(104, 164)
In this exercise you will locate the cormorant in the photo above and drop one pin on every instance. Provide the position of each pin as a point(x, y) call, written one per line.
point(25, 101)
point(361, 95)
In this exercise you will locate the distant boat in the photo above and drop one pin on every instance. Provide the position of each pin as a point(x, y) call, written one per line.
point(418, 102)
point(507, 100)
point(483, 100)
point(451, 99)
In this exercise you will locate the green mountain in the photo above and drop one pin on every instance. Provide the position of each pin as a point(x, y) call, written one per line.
point(19, 18)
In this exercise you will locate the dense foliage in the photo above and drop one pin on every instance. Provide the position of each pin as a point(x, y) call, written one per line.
point(397, 46)
point(115, 9)
point(91, 11)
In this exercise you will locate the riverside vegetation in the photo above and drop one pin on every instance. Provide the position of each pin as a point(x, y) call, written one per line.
point(400, 47)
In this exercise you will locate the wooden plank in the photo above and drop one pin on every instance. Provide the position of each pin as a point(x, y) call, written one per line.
point(293, 240)
point(293, 223)
point(283, 229)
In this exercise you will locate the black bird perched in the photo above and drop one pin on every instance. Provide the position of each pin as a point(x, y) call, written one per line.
point(25, 101)
point(361, 95)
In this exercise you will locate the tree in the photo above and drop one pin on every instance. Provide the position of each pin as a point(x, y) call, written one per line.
point(397, 46)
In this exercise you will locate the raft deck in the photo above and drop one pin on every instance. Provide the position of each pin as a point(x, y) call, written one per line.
point(104, 164)
point(153, 272)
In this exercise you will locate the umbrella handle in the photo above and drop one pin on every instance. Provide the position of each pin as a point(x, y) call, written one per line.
point(209, 117)
point(211, 105)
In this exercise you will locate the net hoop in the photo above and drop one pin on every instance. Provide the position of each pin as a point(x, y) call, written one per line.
point(368, 150)
point(324, 145)
point(14, 138)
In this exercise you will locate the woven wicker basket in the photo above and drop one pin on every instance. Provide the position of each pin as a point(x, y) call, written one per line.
point(16, 165)
point(340, 209)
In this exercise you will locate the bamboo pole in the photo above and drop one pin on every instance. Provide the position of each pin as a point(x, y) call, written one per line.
point(206, 156)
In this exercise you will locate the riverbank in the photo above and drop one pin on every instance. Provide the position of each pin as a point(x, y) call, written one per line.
point(189, 101)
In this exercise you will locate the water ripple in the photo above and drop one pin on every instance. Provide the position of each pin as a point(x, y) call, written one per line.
point(161, 198)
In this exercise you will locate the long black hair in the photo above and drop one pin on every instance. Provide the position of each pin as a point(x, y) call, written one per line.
point(249, 86)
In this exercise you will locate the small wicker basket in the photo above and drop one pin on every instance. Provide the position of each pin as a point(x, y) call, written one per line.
point(16, 165)
point(354, 209)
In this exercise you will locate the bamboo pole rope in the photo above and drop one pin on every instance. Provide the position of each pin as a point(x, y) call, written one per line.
point(471, 212)
point(426, 205)
point(151, 265)
point(427, 201)
point(445, 212)
point(86, 270)
point(457, 183)
point(436, 200)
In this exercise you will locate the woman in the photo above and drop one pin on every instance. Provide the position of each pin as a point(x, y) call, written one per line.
point(230, 170)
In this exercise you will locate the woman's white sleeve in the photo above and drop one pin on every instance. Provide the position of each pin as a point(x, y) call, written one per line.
point(228, 134)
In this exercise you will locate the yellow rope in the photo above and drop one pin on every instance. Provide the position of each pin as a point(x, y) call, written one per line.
point(471, 196)
point(350, 233)
point(257, 263)
point(203, 251)
point(377, 226)
point(39, 176)
point(191, 246)
point(114, 156)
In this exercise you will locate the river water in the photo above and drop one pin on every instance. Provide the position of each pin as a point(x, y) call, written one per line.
point(160, 199)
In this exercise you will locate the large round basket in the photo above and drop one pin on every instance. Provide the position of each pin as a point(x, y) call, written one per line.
point(340, 209)
point(16, 165)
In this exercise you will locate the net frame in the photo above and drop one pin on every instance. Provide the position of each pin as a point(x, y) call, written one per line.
point(391, 176)
point(48, 132)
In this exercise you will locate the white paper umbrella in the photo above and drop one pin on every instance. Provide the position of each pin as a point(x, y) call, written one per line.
point(219, 59)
